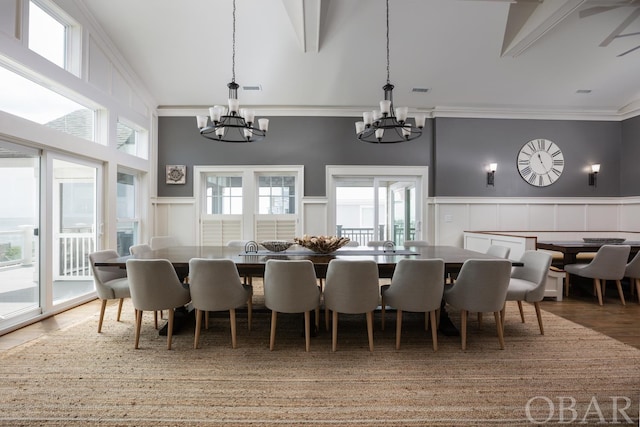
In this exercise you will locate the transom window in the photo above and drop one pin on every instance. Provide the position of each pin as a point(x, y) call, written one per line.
point(47, 35)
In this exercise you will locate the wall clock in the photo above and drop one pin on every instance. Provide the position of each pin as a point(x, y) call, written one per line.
point(540, 162)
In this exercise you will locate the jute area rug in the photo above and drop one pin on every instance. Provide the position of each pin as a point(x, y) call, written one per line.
point(76, 376)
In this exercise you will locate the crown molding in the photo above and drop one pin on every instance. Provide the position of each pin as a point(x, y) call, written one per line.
point(505, 112)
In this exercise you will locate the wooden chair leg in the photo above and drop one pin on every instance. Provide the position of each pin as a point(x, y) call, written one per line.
point(619, 286)
point(307, 330)
point(463, 327)
point(382, 313)
point(103, 306)
point(138, 326)
point(503, 315)
point(272, 335)
point(155, 319)
point(480, 320)
point(496, 315)
point(196, 338)
point(119, 308)
point(334, 331)
point(434, 330)
point(398, 327)
point(232, 321)
point(638, 289)
point(539, 315)
point(206, 320)
point(566, 285)
point(370, 329)
point(521, 311)
point(170, 328)
point(598, 286)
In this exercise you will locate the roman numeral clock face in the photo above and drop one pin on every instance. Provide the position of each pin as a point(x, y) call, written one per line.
point(540, 162)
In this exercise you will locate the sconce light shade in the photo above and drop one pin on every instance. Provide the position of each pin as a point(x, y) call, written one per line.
point(593, 176)
point(491, 174)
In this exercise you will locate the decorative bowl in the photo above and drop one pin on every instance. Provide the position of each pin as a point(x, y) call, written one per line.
point(276, 245)
point(603, 240)
point(322, 244)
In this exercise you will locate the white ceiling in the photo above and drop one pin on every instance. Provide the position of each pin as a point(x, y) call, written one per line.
point(474, 56)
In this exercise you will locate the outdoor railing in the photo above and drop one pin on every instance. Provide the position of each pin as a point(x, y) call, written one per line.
point(74, 255)
point(360, 235)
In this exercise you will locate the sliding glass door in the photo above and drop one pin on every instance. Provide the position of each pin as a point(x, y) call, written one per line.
point(19, 233)
point(75, 227)
point(368, 203)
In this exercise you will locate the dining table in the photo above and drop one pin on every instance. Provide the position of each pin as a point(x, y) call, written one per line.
point(252, 263)
point(571, 248)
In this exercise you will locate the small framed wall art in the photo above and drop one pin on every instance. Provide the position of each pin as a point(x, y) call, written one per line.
point(176, 174)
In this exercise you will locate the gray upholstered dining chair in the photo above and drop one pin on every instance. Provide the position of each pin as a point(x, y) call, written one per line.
point(499, 251)
point(138, 249)
point(528, 282)
point(632, 271)
point(161, 242)
point(155, 286)
point(609, 263)
point(351, 287)
point(111, 282)
point(417, 286)
point(215, 285)
point(481, 287)
point(290, 286)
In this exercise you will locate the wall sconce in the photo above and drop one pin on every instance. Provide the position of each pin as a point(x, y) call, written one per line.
point(491, 174)
point(593, 175)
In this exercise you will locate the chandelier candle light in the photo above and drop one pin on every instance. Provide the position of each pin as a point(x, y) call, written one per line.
point(386, 125)
point(232, 123)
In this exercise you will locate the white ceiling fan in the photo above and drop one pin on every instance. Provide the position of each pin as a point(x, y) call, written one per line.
point(599, 6)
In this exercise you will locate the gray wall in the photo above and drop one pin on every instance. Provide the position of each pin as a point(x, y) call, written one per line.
point(630, 158)
point(464, 148)
point(457, 160)
point(310, 141)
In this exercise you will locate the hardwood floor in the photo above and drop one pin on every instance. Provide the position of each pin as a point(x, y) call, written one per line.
point(612, 319)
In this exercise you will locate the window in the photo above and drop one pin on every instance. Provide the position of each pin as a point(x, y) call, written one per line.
point(54, 35)
point(128, 222)
point(276, 195)
point(131, 140)
point(29, 100)
point(248, 202)
point(224, 195)
point(47, 36)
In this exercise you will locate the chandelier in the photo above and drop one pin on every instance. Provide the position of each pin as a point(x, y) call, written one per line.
point(389, 125)
point(232, 123)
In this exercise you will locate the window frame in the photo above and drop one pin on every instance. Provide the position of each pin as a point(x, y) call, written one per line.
point(73, 34)
point(250, 175)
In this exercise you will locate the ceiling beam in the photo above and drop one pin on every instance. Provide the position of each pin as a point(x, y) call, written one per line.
point(307, 18)
point(527, 22)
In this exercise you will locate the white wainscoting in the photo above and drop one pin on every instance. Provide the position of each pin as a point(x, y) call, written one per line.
point(452, 216)
point(455, 215)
